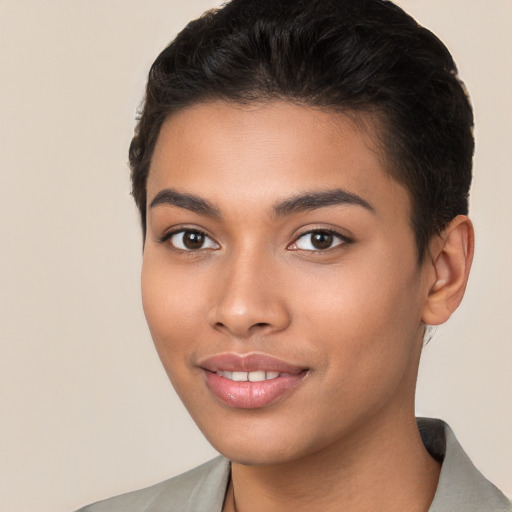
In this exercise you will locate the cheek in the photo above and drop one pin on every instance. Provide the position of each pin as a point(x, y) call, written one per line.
point(361, 297)
point(369, 324)
point(172, 307)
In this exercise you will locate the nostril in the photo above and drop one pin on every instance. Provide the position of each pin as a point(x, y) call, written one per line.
point(242, 320)
point(256, 326)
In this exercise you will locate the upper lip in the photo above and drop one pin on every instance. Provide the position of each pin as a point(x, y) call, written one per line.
point(254, 362)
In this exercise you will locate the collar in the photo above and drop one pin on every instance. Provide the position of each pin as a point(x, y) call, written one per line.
point(461, 486)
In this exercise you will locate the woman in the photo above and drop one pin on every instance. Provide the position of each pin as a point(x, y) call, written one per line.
point(302, 171)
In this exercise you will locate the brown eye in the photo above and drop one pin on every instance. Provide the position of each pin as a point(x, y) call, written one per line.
point(319, 240)
point(191, 240)
point(322, 240)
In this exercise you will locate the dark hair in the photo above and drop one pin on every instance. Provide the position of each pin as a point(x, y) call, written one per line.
point(355, 56)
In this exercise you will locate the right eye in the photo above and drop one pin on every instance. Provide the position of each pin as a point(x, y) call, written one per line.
point(190, 240)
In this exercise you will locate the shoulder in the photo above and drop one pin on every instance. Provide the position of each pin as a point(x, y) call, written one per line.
point(201, 488)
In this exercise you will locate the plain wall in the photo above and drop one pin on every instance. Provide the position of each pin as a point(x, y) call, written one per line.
point(86, 411)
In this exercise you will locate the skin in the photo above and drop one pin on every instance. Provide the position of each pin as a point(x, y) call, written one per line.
point(353, 314)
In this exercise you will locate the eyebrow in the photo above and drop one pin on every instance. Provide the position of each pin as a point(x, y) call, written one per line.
point(190, 202)
point(320, 199)
point(300, 203)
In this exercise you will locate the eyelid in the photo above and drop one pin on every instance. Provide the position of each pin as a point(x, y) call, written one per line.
point(344, 239)
point(166, 237)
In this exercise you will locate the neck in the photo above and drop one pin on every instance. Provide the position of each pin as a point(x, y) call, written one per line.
point(384, 467)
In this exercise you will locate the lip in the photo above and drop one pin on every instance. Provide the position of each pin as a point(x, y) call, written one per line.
point(253, 362)
point(246, 394)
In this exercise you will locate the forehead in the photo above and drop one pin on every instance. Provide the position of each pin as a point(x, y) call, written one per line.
point(268, 151)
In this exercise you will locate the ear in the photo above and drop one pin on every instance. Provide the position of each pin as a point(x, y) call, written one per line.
point(451, 255)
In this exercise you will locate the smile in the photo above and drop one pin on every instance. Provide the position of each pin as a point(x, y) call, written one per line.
point(250, 381)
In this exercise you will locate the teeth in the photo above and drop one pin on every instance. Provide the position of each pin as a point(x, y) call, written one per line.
point(257, 376)
point(239, 376)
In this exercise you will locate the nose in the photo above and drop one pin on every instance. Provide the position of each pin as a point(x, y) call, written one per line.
point(249, 298)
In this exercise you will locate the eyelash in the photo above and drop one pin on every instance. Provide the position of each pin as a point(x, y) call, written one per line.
point(166, 238)
point(343, 240)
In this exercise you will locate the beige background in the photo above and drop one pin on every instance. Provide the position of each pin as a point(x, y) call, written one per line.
point(86, 411)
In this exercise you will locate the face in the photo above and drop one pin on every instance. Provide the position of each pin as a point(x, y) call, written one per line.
point(280, 279)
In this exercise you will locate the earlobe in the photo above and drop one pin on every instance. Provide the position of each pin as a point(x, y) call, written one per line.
point(451, 257)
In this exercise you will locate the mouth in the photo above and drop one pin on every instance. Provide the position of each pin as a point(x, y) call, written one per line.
point(250, 381)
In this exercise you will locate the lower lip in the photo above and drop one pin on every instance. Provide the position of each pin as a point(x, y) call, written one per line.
point(251, 395)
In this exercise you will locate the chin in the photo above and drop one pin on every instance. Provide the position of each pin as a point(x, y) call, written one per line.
point(261, 443)
point(255, 455)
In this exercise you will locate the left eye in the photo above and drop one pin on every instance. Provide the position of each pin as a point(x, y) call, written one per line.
point(318, 240)
point(191, 240)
